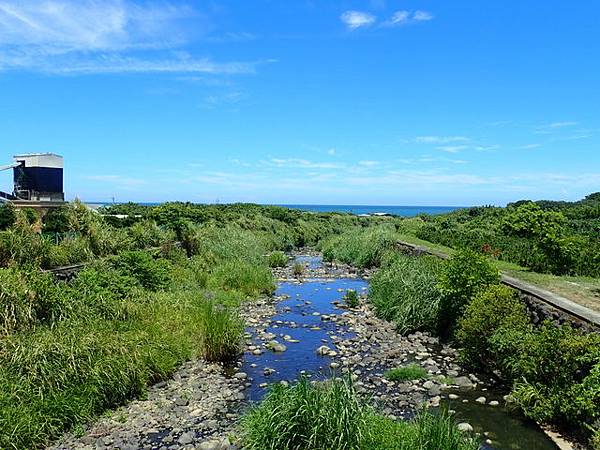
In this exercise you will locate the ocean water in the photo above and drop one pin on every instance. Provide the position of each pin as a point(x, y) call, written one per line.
point(406, 211)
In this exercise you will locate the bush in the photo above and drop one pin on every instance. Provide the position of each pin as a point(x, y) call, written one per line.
point(277, 259)
point(298, 270)
point(305, 416)
point(556, 373)
point(8, 216)
point(150, 273)
point(495, 307)
point(222, 332)
point(56, 220)
point(406, 373)
point(462, 277)
point(404, 291)
point(351, 298)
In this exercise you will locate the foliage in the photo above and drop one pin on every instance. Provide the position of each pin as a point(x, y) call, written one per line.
point(493, 308)
point(427, 431)
point(222, 332)
point(462, 277)
point(307, 416)
point(361, 248)
point(277, 259)
point(406, 373)
point(404, 291)
point(248, 278)
point(351, 298)
point(329, 416)
point(554, 237)
point(8, 216)
point(152, 274)
point(555, 372)
point(56, 220)
point(298, 270)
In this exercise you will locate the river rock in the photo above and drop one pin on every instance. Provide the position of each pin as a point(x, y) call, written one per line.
point(465, 427)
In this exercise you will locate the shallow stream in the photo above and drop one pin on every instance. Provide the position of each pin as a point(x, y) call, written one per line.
point(305, 319)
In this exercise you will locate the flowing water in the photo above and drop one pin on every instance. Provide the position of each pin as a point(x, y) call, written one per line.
point(299, 326)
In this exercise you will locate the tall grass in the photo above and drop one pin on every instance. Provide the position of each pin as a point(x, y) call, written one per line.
point(222, 331)
point(360, 247)
point(307, 416)
point(329, 416)
point(427, 431)
point(404, 291)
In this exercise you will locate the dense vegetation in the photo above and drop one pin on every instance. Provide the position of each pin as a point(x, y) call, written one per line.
point(329, 416)
point(554, 371)
point(161, 286)
point(562, 238)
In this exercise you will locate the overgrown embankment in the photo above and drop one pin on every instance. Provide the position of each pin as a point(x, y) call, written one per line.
point(553, 370)
point(158, 291)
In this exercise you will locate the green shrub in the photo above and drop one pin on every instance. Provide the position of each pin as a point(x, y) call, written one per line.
point(70, 250)
point(222, 331)
point(298, 270)
point(555, 371)
point(243, 276)
point(56, 220)
point(277, 259)
point(463, 275)
point(152, 274)
point(406, 373)
point(494, 307)
point(351, 298)
point(305, 416)
point(8, 216)
point(404, 291)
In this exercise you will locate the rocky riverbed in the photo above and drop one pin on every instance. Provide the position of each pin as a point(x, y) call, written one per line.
point(306, 329)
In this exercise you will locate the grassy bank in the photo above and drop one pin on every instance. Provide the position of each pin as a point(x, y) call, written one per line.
point(330, 416)
point(553, 370)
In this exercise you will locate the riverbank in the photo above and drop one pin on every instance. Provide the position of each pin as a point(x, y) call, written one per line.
point(305, 329)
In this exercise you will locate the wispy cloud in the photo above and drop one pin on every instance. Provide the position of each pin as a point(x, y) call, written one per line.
point(422, 16)
point(110, 36)
point(357, 19)
point(529, 146)
point(452, 148)
point(299, 163)
point(439, 139)
point(561, 124)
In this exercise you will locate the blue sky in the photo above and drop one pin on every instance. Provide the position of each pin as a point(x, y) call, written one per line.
point(303, 101)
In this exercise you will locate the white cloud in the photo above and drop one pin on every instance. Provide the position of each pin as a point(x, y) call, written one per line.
point(561, 124)
point(331, 151)
point(528, 146)
point(109, 36)
point(422, 16)
point(399, 18)
point(439, 139)
point(368, 163)
point(404, 17)
point(299, 163)
point(452, 148)
point(357, 19)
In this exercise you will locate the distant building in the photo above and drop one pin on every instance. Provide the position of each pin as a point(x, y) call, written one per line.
point(37, 180)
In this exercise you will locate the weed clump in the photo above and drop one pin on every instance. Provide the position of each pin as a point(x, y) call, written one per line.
point(277, 259)
point(406, 373)
point(222, 331)
point(351, 298)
